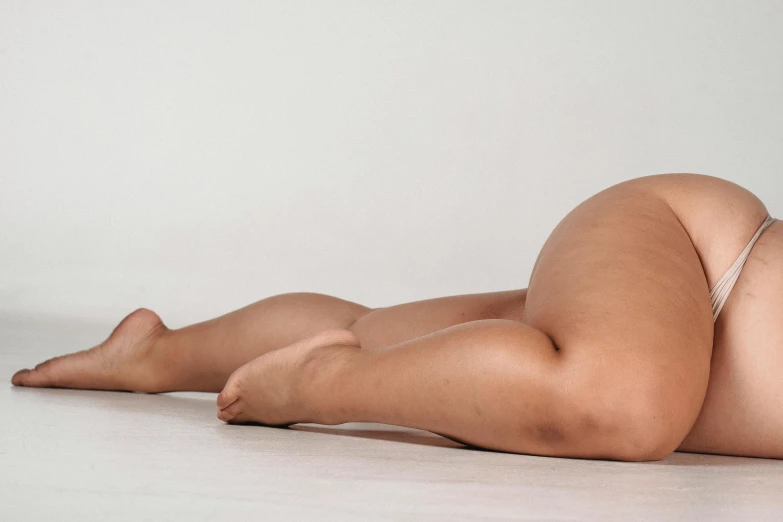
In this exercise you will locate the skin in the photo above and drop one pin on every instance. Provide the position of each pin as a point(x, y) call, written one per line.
point(575, 365)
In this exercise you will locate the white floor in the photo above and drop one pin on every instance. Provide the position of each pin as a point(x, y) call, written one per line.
point(83, 455)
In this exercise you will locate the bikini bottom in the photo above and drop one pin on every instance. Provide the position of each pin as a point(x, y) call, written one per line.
point(720, 292)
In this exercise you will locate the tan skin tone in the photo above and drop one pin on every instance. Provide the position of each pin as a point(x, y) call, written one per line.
point(575, 365)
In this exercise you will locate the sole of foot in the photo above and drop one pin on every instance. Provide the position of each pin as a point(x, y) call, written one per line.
point(269, 389)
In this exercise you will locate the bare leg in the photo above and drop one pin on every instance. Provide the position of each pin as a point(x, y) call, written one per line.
point(493, 383)
point(142, 354)
point(211, 350)
point(609, 360)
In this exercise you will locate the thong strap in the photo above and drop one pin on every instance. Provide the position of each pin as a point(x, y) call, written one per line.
point(720, 292)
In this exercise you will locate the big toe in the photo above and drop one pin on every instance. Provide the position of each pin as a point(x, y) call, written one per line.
point(19, 377)
point(229, 395)
point(232, 411)
point(37, 377)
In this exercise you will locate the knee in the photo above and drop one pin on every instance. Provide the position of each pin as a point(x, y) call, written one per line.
point(642, 428)
point(633, 418)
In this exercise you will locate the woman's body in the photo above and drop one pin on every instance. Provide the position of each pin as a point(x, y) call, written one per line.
point(610, 353)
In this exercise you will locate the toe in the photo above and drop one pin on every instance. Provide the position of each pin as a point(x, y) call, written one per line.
point(230, 412)
point(246, 416)
point(34, 378)
point(37, 377)
point(229, 394)
point(19, 377)
point(77, 370)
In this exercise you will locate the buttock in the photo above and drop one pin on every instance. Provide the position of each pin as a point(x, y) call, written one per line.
point(742, 412)
point(622, 250)
point(619, 289)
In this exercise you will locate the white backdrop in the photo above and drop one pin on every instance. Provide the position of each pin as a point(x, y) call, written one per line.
point(193, 157)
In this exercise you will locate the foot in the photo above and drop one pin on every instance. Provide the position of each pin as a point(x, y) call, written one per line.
point(127, 360)
point(270, 389)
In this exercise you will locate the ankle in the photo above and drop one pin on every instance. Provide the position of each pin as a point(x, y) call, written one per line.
point(324, 383)
point(177, 365)
point(163, 362)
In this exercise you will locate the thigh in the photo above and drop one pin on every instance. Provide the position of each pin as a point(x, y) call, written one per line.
point(402, 322)
point(619, 289)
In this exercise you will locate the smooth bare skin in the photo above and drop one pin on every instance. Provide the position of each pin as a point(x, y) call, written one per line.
point(576, 365)
point(743, 411)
